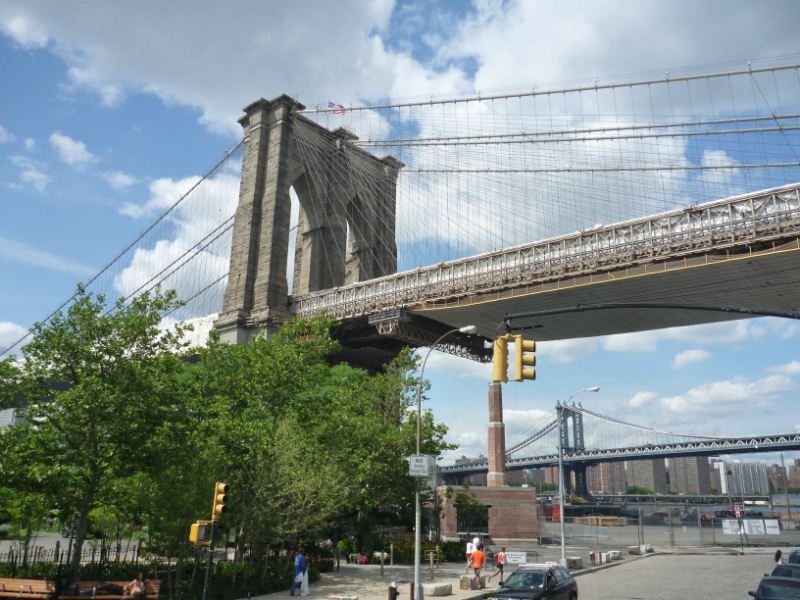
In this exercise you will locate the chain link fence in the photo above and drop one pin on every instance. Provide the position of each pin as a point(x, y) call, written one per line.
point(603, 532)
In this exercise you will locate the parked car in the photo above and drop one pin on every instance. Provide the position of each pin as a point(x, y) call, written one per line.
point(547, 581)
point(794, 557)
point(786, 570)
point(777, 588)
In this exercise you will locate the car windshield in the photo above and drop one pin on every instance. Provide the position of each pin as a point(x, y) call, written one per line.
point(778, 590)
point(526, 579)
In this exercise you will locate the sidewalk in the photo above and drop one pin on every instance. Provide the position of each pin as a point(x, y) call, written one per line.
point(365, 581)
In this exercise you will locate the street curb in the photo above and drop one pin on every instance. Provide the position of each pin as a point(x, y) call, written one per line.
point(611, 564)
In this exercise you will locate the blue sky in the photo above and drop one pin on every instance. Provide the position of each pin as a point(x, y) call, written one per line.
point(100, 103)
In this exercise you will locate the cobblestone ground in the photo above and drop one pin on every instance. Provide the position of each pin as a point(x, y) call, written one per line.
point(668, 577)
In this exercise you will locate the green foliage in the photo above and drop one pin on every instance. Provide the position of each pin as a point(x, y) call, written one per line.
point(638, 489)
point(102, 404)
point(122, 432)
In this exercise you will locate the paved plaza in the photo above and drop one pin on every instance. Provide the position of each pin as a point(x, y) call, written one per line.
point(653, 577)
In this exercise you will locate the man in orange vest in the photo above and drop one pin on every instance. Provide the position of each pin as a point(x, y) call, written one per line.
point(500, 562)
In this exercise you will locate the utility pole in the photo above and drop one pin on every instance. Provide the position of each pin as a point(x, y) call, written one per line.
point(786, 488)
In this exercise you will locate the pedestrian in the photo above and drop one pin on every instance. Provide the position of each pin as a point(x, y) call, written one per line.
point(299, 571)
point(476, 562)
point(136, 589)
point(470, 550)
point(393, 591)
point(778, 557)
point(500, 562)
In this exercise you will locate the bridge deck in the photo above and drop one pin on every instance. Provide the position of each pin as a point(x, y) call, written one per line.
point(738, 251)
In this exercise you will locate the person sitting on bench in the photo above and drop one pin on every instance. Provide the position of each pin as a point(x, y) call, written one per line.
point(136, 589)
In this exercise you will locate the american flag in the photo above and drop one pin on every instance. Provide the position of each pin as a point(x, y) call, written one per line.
point(335, 109)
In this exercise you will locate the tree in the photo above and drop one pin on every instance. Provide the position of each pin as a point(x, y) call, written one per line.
point(102, 404)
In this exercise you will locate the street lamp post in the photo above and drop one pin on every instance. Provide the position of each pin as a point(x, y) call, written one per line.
point(418, 508)
point(559, 413)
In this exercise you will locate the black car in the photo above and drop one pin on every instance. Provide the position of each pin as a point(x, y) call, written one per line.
point(794, 557)
point(777, 588)
point(538, 582)
point(786, 570)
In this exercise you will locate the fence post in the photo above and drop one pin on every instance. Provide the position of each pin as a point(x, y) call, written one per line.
point(671, 532)
point(700, 527)
point(640, 528)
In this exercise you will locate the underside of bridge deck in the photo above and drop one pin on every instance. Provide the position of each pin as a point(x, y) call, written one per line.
point(767, 278)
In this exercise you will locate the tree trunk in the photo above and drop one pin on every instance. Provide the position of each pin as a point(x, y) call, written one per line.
point(80, 536)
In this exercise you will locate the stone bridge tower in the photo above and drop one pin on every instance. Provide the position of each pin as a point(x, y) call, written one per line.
point(346, 226)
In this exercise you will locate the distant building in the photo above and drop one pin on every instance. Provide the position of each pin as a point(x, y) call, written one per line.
point(778, 478)
point(718, 470)
point(606, 478)
point(550, 475)
point(794, 473)
point(748, 478)
point(648, 473)
point(690, 475)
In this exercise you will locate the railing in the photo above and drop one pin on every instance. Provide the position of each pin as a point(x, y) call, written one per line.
point(733, 222)
point(734, 445)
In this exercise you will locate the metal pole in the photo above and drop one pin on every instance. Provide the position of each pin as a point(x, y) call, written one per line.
point(786, 489)
point(417, 506)
point(207, 584)
point(559, 409)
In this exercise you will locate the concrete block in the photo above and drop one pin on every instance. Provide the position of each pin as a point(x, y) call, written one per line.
point(614, 555)
point(468, 582)
point(437, 589)
point(635, 550)
point(574, 563)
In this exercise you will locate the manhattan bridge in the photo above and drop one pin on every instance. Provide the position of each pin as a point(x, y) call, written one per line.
point(405, 220)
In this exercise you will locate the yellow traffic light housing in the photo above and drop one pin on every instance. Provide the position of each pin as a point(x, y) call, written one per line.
point(200, 532)
point(524, 359)
point(500, 359)
point(220, 499)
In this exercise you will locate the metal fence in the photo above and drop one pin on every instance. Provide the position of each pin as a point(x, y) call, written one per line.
point(603, 533)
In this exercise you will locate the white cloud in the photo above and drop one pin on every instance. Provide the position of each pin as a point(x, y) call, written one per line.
point(23, 253)
point(738, 393)
point(457, 366)
point(71, 151)
point(10, 333)
point(25, 30)
point(789, 369)
point(198, 217)
point(119, 180)
point(564, 351)
point(690, 357)
point(5, 135)
point(30, 144)
point(31, 172)
point(641, 399)
point(631, 342)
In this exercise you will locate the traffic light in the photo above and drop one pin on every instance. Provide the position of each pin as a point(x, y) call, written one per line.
point(500, 359)
point(220, 498)
point(524, 359)
point(199, 533)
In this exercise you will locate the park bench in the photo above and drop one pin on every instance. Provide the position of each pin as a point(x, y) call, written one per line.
point(26, 588)
point(152, 588)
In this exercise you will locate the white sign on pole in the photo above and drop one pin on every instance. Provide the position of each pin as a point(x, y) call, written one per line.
point(772, 526)
point(420, 465)
point(516, 558)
